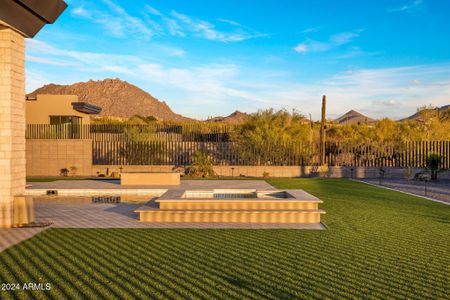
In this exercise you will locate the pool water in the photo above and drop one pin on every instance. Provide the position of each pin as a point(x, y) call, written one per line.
point(234, 196)
point(100, 199)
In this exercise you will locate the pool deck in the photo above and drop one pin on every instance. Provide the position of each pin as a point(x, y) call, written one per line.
point(77, 215)
point(185, 184)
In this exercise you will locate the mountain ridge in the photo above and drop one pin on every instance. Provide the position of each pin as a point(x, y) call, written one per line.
point(354, 117)
point(236, 117)
point(115, 97)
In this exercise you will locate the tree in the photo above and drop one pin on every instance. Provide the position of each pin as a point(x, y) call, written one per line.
point(266, 136)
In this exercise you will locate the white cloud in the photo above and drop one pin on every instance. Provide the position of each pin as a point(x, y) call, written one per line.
point(209, 88)
point(119, 23)
point(231, 22)
point(334, 41)
point(301, 48)
point(391, 102)
point(153, 10)
point(80, 11)
point(116, 21)
point(48, 61)
point(311, 30)
point(414, 4)
point(343, 38)
point(207, 30)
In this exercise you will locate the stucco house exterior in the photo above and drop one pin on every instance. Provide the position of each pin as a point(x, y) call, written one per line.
point(59, 109)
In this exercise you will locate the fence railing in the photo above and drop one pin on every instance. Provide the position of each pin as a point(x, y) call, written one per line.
point(150, 132)
point(388, 154)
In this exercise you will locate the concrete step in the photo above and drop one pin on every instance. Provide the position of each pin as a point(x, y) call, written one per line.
point(240, 204)
point(230, 216)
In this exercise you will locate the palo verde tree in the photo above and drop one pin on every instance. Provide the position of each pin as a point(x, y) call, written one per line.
point(267, 135)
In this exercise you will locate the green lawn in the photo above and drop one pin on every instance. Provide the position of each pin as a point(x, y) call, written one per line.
point(379, 244)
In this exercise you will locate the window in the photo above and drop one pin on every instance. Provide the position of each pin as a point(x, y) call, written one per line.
point(71, 120)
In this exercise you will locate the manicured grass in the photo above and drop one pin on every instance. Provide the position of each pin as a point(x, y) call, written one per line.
point(379, 244)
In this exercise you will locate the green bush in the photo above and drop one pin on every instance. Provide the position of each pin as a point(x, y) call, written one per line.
point(433, 163)
point(201, 166)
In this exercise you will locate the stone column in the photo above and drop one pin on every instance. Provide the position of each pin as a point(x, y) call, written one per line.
point(12, 121)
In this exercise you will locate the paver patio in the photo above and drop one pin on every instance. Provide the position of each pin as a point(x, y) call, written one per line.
point(115, 184)
point(122, 215)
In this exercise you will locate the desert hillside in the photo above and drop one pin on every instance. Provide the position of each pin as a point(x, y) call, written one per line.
point(235, 118)
point(354, 117)
point(116, 98)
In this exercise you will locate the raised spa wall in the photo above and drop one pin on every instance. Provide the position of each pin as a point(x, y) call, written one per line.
point(263, 207)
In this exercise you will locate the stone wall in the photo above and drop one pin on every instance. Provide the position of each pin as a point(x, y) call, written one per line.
point(12, 121)
point(48, 157)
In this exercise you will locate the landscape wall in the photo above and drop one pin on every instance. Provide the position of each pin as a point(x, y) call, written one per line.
point(46, 157)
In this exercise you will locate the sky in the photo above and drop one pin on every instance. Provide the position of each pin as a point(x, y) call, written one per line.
point(384, 58)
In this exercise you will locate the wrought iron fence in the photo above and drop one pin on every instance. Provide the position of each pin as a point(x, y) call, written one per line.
point(388, 154)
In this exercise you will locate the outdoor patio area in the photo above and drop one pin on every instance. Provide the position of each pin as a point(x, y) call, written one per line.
point(115, 184)
point(375, 238)
point(70, 212)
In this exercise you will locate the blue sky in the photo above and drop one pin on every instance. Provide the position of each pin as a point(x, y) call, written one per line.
point(204, 58)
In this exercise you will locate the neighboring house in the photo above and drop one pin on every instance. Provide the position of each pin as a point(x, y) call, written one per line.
point(58, 109)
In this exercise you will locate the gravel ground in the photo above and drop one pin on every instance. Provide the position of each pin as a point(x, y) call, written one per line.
point(439, 189)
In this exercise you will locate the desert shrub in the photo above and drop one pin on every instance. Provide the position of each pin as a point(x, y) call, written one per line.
point(201, 165)
point(73, 170)
point(64, 172)
point(433, 164)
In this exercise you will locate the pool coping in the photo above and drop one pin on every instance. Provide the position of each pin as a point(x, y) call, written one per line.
point(90, 192)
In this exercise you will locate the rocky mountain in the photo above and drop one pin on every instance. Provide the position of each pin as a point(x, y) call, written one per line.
point(235, 118)
point(437, 110)
point(116, 98)
point(354, 117)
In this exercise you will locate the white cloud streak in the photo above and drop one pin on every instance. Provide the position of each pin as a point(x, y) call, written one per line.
point(117, 22)
point(210, 88)
point(406, 7)
point(334, 41)
point(207, 30)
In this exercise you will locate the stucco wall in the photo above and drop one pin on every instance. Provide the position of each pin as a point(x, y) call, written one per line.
point(39, 110)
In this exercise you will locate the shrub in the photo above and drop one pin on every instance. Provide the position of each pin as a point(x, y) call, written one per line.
point(201, 166)
point(433, 163)
point(64, 172)
point(73, 170)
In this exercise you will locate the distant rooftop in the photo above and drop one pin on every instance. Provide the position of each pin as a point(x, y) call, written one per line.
point(86, 108)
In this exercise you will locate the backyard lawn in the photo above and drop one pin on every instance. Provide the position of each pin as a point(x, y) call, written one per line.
point(378, 244)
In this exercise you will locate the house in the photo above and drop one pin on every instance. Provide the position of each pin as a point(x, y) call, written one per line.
point(58, 109)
